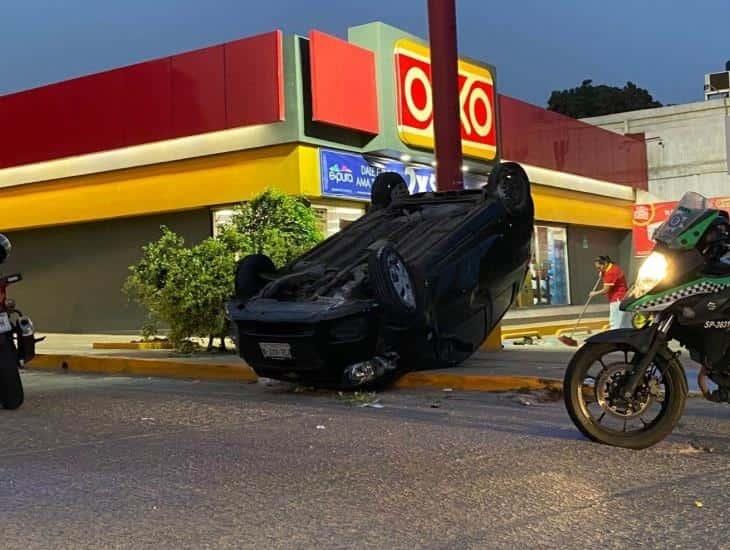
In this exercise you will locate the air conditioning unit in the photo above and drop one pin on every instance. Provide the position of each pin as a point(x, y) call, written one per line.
point(717, 85)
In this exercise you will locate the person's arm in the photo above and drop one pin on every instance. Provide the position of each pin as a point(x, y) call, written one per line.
point(606, 288)
point(609, 279)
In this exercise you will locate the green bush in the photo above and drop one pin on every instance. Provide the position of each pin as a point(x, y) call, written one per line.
point(186, 288)
point(278, 225)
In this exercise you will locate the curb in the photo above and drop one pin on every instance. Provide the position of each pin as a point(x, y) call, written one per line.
point(159, 368)
point(132, 345)
point(555, 328)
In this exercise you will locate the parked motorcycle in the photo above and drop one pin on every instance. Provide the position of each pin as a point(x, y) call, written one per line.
point(626, 387)
point(17, 339)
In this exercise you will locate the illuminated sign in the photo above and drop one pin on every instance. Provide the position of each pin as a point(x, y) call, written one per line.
point(415, 102)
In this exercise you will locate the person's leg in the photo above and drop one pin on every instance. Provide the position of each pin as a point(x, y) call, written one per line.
point(625, 319)
point(614, 315)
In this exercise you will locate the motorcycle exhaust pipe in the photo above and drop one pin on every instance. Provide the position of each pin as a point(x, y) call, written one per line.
point(703, 383)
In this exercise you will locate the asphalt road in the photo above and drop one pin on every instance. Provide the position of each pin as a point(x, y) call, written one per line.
point(101, 462)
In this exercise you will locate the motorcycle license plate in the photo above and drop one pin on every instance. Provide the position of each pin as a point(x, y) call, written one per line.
point(275, 351)
point(5, 325)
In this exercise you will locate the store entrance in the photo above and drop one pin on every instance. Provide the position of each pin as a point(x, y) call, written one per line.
point(561, 272)
point(548, 280)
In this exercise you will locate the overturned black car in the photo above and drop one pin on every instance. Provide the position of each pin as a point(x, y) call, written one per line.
point(418, 282)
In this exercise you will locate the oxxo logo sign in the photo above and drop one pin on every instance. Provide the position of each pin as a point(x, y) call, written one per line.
point(415, 102)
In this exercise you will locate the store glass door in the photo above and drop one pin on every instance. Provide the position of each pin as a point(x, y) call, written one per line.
point(548, 281)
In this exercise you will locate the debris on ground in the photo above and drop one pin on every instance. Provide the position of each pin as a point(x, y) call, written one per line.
point(360, 398)
point(436, 404)
point(698, 503)
point(694, 447)
point(550, 395)
point(700, 447)
point(527, 341)
point(448, 389)
point(524, 401)
point(320, 427)
point(374, 405)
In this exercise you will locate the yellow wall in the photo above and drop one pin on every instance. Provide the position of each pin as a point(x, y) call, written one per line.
point(229, 178)
point(564, 206)
point(174, 186)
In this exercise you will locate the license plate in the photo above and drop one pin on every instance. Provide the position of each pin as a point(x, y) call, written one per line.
point(5, 325)
point(275, 351)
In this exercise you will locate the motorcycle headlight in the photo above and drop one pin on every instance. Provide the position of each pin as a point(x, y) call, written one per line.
point(651, 273)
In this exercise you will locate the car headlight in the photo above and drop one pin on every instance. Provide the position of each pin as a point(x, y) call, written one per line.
point(651, 273)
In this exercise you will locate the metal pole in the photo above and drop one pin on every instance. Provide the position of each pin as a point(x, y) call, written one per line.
point(445, 81)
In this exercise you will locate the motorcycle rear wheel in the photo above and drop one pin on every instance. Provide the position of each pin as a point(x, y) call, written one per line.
point(594, 402)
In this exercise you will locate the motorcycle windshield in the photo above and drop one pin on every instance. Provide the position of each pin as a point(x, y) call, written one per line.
point(690, 209)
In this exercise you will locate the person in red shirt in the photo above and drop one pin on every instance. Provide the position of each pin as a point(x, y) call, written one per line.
point(615, 289)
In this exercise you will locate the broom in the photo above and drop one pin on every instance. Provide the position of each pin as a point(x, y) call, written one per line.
point(569, 340)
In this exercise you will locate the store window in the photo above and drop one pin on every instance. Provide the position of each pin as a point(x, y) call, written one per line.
point(547, 282)
point(221, 217)
point(332, 219)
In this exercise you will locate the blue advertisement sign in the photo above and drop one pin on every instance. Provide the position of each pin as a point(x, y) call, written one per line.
point(351, 175)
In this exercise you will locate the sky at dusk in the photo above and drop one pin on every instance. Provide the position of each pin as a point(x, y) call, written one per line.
point(537, 45)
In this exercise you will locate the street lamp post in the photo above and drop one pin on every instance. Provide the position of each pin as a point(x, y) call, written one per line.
point(445, 82)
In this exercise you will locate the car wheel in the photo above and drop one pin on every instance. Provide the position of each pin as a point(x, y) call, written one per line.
point(387, 187)
point(509, 184)
point(248, 275)
point(392, 282)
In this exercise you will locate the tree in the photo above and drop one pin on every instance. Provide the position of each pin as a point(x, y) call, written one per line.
point(185, 288)
point(278, 225)
point(588, 100)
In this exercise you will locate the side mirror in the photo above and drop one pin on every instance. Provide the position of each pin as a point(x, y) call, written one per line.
point(5, 248)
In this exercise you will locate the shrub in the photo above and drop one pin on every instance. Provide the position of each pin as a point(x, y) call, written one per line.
point(278, 225)
point(186, 288)
point(183, 288)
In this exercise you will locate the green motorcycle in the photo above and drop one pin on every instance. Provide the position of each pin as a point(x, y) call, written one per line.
point(626, 387)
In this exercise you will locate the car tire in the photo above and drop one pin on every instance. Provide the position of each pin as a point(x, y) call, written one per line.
point(387, 187)
point(392, 281)
point(509, 184)
point(248, 275)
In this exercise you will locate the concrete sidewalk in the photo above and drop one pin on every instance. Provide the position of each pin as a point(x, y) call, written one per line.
point(538, 366)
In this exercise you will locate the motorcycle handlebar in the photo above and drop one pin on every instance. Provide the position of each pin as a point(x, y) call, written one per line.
point(10, 279)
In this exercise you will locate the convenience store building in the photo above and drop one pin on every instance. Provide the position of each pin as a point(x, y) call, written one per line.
point(91, 167)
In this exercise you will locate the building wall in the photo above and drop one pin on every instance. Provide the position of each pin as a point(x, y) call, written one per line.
point(686, 147)
point(74, 274)
point(536, 137)
point(167, 187)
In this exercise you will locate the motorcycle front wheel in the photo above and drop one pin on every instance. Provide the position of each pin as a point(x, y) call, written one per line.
point(596, 405)
point(11, 387)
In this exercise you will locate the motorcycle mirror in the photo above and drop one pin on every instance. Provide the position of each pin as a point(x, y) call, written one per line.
point(5, 248)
